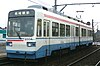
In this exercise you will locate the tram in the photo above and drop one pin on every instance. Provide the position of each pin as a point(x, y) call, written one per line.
point(36, 32)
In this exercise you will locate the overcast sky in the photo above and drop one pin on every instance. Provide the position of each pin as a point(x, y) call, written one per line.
point(89, 13)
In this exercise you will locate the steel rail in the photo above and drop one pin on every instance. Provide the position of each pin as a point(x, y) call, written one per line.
point(4, 63)
point(97, 63)
point(83, 57)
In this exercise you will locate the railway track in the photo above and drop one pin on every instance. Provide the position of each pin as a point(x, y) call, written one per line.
point(4, 61)
point(89, 59)
point(60, 60)
point(73, 56)
point(97, 64)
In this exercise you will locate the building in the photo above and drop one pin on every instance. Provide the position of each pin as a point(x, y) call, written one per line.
point(2, 35)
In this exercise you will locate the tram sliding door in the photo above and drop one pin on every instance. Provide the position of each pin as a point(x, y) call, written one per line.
point(46, 34)
point(72, 45)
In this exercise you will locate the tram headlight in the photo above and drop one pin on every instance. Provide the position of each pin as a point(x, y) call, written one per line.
point(31, 44)
point(9, 44)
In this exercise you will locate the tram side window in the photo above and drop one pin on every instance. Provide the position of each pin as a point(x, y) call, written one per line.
point(62, 30)
point(55, 29)
point(77, 31)
point(89, 33)
point(67, 30)
point(46, 27)
point(39, 27)
point(83, 32)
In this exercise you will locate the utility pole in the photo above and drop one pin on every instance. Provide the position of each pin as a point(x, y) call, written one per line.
point(55, 6)
point(93, 29)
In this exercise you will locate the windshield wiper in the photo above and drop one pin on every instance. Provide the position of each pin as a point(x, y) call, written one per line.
point(17, 34)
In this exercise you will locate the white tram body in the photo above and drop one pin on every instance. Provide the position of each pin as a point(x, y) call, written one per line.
point(35, 33)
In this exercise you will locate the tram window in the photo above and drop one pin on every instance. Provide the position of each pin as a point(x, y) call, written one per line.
point(67, 30)
point(72, 30)
point(86, 32)
point(55, 29)
point(83, 32)
point(62, 30)
point(77, 31)
point(39, 27)
point(89, 33)
point(46, 27)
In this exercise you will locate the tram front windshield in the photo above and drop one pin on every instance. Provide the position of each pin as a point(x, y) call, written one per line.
point(20, 26)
